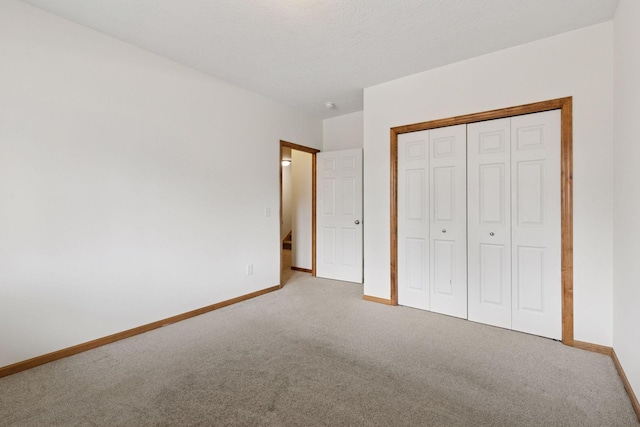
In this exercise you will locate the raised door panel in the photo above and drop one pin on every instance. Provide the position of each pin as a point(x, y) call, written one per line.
point(328, 190)
point(413, 220)
point(443, 265)
point(326, 210)
point(529, 284)
point(414, 266)
point(489, 222)
point(536, 228)
point(328, 236)
point(448, 231)
point(492, 281)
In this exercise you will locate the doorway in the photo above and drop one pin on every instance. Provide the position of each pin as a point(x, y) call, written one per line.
point(297, 210)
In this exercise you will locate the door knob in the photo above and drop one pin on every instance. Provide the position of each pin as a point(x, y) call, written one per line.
point(444, 230)
point(357, 221)
point(492, 234)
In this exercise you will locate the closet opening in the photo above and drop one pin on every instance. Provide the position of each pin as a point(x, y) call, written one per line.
point(564, 105)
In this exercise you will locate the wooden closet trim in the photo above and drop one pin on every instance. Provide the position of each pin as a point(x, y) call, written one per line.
point(565, 105)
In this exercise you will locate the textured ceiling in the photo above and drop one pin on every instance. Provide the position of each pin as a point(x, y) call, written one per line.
point(305, 52)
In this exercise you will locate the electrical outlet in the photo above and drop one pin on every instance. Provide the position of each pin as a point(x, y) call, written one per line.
point(249, 269)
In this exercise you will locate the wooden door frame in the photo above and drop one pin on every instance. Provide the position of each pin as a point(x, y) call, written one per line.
point(313, 152)
point(565, 105)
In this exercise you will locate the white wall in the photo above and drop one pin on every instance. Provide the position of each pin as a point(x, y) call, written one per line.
point(343, 132)
point(578, 64)
point(626, 273)
point(123, 196)
point(301, 176)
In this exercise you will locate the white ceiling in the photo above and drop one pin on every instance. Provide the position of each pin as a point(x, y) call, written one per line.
point(305, 52)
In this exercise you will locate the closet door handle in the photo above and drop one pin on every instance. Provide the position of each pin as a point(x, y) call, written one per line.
point(444, 230)
point(492, 234)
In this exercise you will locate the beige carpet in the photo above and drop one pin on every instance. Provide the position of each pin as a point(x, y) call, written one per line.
point(316, 354)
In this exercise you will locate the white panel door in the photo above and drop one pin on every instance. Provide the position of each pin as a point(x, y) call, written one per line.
point(339, 215)
point(535, 224)
point(448, 220)
point(413, 220)
point(489, 222)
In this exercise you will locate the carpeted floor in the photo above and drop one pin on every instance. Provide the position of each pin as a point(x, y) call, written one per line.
point(316, 354)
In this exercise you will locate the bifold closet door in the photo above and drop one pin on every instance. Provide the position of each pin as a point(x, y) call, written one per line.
point(514, 223)
point(536, 224)
point(448, 220)
point(489, 221)
point(432, 220)
point(413, 220)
